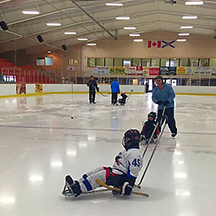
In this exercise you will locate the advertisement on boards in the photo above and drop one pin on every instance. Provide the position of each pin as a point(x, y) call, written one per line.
point(153, 71)
point(138, 70)
point(167, 70)
point(181, 70)
point(213, 70)
point(101, 70)
point(202, 70)
point(146, 70)
point(38, 88)
point(117, 70)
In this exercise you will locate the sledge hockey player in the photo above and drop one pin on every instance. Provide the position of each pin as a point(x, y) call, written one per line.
point(122, 100)
point(122, 175)
point(148, 129)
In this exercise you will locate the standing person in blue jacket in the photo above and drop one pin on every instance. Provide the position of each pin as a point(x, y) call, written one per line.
point(163, 95)
point(115, 90)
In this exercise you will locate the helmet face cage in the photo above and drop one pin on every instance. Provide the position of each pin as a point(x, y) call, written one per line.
point(152, 114)
point(123, 141)
point(131, 138)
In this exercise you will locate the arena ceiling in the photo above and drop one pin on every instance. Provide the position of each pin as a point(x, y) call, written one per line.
point(94, 20)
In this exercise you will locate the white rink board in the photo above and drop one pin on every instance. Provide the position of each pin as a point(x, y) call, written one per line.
point(7, 89)
point(30, 88)
point(195, 89)
point(57, 88)
point(10, 89)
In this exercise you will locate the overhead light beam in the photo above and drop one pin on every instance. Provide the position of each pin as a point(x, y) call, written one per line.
point(114, 4)
point(194, 3)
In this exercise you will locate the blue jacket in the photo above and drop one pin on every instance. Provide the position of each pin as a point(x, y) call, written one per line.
point(166, 93)
point(115, 86)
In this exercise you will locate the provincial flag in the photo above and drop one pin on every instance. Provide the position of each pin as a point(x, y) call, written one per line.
point(154, 44)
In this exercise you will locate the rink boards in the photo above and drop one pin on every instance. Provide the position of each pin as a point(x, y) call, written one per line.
point(8, 90)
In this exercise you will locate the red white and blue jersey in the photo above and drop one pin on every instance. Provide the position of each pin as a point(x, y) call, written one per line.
point(128, 162)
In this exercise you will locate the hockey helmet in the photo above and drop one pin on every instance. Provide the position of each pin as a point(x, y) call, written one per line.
point(153, 115)
point(123, 93)
point(131, 139)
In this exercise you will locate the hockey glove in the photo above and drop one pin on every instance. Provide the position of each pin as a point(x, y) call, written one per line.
point(126, 189)
point(166, 103)
point(159, 102)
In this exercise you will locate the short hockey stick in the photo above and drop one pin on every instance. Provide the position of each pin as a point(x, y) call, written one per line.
point(118, 189)
point(129, 95)
point(102, 93)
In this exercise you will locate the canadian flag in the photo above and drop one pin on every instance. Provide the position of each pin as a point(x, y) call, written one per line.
point(153, 43)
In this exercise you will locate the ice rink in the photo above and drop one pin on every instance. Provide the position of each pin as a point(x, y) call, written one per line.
point(40, 144)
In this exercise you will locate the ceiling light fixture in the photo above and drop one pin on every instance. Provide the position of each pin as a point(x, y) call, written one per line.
point(186, 27)
point(114, 4)
point(129, 28)
point(91, 44)
point(53, 24)
point(82, 39)
point(183, 34)
point(181, 40)
point(194, 3)
point(31, 12)
point(134, 35)
point(122, 18)
point(69, 33)
point(189, 17)
point(49, 51)
point(138, 40)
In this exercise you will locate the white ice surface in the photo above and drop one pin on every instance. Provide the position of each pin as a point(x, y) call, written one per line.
point(40, 144)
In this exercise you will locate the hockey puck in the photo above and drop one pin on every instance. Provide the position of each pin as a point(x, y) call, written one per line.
point(71, 117)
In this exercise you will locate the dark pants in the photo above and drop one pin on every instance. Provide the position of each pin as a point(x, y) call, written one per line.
point(148, 134)
point(121, 102)
point(171, 121)
point(114, 97)
point(91, 96)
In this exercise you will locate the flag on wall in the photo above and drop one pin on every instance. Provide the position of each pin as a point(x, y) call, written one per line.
point(158, 44)
point(153, 43)
point(168, 44)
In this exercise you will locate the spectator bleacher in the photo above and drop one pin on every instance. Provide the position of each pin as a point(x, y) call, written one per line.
point(27, 74)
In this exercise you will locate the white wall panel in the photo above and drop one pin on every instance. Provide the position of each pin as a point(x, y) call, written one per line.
point(30, 88)
point(7, 89)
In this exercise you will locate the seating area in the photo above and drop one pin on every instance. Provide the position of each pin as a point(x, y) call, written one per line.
point(11, 73)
